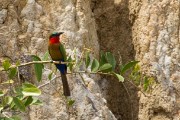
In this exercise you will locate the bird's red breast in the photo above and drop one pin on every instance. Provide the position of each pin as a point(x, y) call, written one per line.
point(54, 48)
point(54, 40)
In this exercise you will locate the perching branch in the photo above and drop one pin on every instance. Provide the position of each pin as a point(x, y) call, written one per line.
point(43, 62)
point(59, 62)
point(37, 62)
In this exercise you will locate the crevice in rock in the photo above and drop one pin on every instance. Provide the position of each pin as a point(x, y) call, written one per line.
point(114, 31)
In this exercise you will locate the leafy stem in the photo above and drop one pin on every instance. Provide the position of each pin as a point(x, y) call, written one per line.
point(35, 62)
point(20, 96)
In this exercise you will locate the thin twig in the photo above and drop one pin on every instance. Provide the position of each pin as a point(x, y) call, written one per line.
point(101, 73)
point(88, 49)
point(44, 62)
point(54, 87)
point(129, 96)
point(82, 79)
point(138, 88)
point(37, 62)
point(18, 75)
point(5, 115)
point(48, 82)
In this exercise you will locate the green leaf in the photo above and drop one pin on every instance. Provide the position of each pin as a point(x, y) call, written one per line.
point(12, 73)
point(95, 65)
point(8, 82)
point(28, 85)
point(8, 100)
point(6, 64)
point(30, 90)
point(71, 102)
point(36, 102)
point(1, 93)
point(119, 77)
point(5, 118)
point(18, 62)
point(121, 67)
point(12, 106)
point(69, 59)
point(70, 65)
point(28, 101)
point(18, 91)
point(1, 108)
point(87, 61)
point(128, 66)
point(102, 59)
point(45, 56)
point(50, 76)
point(136, 68)
point(146, 83)
point(19, 104)
point(106, 66)
point(111, 59)
point(38, 68)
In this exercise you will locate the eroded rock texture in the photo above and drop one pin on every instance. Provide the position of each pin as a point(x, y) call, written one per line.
point(157, 46)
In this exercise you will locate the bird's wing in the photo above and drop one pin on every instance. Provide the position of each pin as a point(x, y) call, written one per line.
point(63, 51)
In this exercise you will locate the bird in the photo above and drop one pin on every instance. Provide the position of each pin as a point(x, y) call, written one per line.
point(58, 53)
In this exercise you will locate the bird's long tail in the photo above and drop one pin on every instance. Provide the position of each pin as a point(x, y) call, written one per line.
point(65, 85)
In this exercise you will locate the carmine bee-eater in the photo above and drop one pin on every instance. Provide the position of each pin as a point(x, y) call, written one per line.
point(57, 53)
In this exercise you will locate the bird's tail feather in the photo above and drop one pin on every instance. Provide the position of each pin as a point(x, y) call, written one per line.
point(65, 85)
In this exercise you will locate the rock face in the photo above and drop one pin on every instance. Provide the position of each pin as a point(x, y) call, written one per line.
point(147, 30)
point(157, 46)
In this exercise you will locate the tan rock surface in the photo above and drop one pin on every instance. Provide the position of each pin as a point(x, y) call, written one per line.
point(157, 45)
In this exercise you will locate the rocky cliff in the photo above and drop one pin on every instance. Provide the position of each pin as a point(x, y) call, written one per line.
point(145, 30)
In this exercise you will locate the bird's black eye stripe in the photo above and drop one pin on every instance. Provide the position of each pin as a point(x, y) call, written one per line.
point(53, 35)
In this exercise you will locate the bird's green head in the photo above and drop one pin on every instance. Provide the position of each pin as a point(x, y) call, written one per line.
point(54, 37)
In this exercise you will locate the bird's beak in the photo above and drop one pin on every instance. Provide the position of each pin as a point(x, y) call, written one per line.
point(59, 33)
